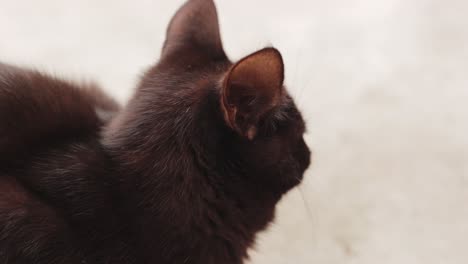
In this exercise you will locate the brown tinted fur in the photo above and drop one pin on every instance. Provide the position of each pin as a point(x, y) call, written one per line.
point(187, 172)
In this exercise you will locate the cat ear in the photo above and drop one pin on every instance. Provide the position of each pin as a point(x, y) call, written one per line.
point(195, 28)
point(252, 87)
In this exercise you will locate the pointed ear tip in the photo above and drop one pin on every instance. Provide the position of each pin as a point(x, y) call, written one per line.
point(274, 51)
point(271, 49)
point(275, 54)
point(211, 2)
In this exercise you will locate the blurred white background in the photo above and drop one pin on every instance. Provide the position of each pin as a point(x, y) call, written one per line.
point(382, 83)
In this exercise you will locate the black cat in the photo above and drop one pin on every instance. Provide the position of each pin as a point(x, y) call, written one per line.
point(188, 172)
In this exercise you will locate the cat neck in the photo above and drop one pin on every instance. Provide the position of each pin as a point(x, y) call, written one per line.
point(170, 179)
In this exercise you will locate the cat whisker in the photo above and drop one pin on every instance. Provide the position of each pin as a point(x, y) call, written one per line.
point(304, 200)
point(306, 203)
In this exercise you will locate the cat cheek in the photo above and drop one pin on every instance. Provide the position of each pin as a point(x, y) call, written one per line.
point(268, 154)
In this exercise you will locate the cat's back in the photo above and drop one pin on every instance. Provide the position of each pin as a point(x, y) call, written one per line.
point(37, 110)
point(52, 169)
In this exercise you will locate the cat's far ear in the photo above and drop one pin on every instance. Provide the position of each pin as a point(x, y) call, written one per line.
point(252, 87)
point(195, 28)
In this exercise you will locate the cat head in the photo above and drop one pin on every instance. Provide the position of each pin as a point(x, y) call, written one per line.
point(262, 125)
point(241, 113)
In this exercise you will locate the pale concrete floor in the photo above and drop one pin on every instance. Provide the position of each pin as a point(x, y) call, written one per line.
point(383, 84)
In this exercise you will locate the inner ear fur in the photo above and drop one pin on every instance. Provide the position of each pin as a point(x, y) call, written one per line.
point(252, 87)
